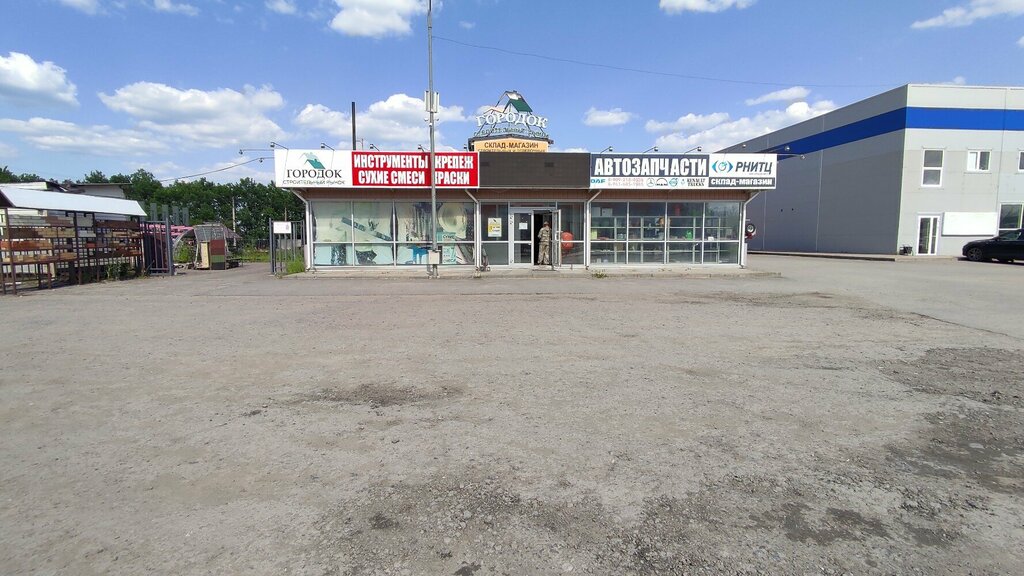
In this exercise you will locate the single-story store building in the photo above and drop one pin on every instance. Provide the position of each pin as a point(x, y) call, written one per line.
point(373, 208)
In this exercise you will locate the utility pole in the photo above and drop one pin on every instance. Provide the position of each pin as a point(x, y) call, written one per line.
point(431, 110)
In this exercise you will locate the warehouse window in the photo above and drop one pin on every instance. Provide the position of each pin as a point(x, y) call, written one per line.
point(1010, 216)
point(978, 160)
point(1020, 162)
point(932, 168)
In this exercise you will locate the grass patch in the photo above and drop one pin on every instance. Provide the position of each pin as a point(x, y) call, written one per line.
point(251, 254)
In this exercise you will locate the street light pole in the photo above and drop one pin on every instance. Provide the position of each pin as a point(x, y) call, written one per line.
point(431, 99)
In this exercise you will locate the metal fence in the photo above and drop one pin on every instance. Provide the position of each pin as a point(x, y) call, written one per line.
point(286, 245)
point(158, 247)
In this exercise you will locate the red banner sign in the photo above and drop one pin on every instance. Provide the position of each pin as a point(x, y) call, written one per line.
point(412, 169)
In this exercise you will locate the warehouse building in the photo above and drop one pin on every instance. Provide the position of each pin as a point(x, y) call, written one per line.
point(922, 170)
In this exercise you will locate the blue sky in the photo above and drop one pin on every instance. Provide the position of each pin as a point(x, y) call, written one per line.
point(179, 86)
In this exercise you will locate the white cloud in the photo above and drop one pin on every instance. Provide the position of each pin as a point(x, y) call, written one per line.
point(87, 6)
point(786, 95)
point(967, 14)
point(173, 8)
point(396, 123)
point(60, 136)
point(677, 6)
point(688, 123)
point(958, 81)
point(613, 117)
point(23, 81)
point(729, 133)
point(215, 118)
point(8, 151)
point(282, 6)
point(376, 18)
point(320, 118)
point(466, 25)
point(487, 108)
point(1021, 42)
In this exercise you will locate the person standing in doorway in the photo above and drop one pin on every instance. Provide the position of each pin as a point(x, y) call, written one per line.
point(545, 244)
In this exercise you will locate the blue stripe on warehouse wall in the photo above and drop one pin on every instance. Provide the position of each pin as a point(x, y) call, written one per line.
point(917, 118)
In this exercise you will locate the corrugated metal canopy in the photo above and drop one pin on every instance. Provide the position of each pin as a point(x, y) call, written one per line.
point(14, 197)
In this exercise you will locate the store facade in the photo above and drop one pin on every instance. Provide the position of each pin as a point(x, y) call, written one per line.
point(374, 209)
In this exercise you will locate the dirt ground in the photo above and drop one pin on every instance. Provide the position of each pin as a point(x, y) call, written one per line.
point(233, 423)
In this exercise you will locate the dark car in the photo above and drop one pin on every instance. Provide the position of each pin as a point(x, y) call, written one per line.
point(1006, 247)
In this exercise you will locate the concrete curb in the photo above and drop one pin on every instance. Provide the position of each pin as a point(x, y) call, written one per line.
point(870, 257)
point(595, 273)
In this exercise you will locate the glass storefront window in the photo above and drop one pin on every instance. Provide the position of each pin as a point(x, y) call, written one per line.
point(332, 221)
point(398, 233)
point(646, 221)
point(374, 254)
point(646, 253)
point(608, 253)
point(497, 253)
point(372, 222)
point(721, 252)
point(454, 232)
point(332, 254)
point(684, 253)
point(571, 236)
point(413, 221)
point(455, 221)
point(608, 221)
point(685, 220)
point(461, 253)
point(722, 221)
point(412, 254)
point(494, 220)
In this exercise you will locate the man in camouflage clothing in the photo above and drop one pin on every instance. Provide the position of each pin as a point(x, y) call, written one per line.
point(545, 244)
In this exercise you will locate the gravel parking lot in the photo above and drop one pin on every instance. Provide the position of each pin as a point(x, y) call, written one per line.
point(845, 418)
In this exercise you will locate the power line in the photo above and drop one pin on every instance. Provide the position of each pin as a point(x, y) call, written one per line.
point(261, 159)
point(652, 72)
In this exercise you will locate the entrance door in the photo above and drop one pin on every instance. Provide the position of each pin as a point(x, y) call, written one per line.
point(525, 224)
point(520, 221)
point(927, 235)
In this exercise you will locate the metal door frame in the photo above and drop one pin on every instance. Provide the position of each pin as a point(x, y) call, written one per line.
point(556, 244)
point(556, 238)
point(513, 234)
point(934, 236)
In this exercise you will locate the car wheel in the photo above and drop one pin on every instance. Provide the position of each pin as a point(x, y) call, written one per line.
point(976, 255)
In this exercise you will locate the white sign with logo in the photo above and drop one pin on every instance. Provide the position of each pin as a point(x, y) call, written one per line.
point(743, 171)
point(312, 168)
point(682, 171)
point(283, 228)
point(366, 169)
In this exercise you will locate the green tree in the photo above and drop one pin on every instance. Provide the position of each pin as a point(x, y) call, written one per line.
point(30, 177)
point(96, 177)
point(254, 203)
point(7, 177)
point(143, 186)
